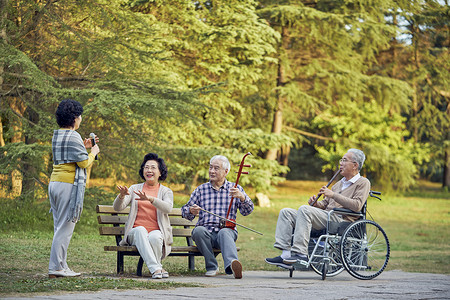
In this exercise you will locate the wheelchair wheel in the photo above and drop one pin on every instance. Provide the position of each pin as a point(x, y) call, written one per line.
point(364, 249)
point(325, 265)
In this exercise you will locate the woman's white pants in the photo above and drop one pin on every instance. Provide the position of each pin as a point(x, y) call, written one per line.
point(149, 245)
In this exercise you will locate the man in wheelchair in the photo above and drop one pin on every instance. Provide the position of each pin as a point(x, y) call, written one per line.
point(294, 227)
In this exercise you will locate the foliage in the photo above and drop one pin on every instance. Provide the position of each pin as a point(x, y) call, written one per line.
point(380, 134)
point(192, 79)
point(422, 60)
point(325, 62)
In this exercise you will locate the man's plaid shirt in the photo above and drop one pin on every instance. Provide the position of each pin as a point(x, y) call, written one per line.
point(216, 201)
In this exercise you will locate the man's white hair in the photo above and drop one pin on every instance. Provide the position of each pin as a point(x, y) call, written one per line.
point(225, 162)
point(358, 157)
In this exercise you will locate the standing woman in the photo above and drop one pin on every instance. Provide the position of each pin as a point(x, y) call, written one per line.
point(148, 225)
point(67, 182)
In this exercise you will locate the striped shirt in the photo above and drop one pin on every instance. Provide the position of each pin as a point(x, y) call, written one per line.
point(217, 202)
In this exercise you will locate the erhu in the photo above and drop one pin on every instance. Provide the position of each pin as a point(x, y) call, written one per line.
point(328, 184)
point(223, 223)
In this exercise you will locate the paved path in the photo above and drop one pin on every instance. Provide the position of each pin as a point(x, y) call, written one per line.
point(277, 285)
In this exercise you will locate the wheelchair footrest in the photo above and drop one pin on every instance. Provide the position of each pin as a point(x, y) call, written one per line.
point(301, 265)
point(286, 267)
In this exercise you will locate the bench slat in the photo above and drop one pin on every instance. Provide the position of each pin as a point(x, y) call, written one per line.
point(176, 211)
point(106, 219)
point(178, 221)
point(108, 209)
point(181, 232)
point(176, 232)
point(111, 230)
point(174, 249)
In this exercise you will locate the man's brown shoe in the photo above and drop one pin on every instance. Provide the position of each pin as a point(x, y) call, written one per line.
point(236, 267)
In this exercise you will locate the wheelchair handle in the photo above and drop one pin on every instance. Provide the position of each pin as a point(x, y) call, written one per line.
point(373, 193)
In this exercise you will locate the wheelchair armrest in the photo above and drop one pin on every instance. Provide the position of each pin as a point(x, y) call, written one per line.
point(346, 211)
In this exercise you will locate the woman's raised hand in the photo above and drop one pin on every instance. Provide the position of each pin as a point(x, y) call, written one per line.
point(88, 142)
point(123, 191)
point(143, 196)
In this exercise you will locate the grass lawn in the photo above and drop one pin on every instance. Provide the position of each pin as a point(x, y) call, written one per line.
point(417, 225)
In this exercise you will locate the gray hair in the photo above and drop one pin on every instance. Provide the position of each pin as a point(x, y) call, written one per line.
point(358, 156)
point(225, 162)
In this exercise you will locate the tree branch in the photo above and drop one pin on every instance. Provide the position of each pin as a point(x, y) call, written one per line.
point(37, 17)
point(313, 135)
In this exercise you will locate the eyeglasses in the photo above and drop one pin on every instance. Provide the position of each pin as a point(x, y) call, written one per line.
point(216, 168)
point(344, 160)
point(150, 167)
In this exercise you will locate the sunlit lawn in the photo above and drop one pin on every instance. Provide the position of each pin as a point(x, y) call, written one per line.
point(417, 224)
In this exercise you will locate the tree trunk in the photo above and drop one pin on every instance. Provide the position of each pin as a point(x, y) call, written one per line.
point(2, 140)
point(16, 177)
point(415, 103)
point(29, 171)
point(276, 128)
point(446, 177)
point(277, 123)
point(284, 157)
point(3, 4)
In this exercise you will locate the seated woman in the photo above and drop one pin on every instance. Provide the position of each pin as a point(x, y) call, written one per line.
point(148, 225)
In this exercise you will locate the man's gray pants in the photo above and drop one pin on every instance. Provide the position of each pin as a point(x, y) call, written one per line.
point(224, 239)
point(300, 223)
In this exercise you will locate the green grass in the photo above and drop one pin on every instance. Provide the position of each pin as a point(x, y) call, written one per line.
point(81, 284)
point(416, 223)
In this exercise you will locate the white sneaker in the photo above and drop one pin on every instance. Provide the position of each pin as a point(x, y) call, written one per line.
point(55, 274)
point(211, 273)
point(70, 273)
point(63, 273)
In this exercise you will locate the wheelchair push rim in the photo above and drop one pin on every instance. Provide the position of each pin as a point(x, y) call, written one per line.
point(364, 249)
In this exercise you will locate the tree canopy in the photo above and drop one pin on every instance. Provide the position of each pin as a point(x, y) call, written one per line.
point(191, 79)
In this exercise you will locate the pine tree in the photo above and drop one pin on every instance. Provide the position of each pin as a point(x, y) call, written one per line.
point(99, 54)
point(326, 66)
point(421, 58)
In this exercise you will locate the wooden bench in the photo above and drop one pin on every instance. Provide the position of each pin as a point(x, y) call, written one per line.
point(115, 221)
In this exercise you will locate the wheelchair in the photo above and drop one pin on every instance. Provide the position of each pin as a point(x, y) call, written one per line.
point(360, 247)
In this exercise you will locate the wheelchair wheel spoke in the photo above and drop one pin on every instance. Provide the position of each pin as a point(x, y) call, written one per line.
point(364, 249)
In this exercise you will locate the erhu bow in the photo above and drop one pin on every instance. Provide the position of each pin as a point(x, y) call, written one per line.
point(229, 220)
point(328, 184)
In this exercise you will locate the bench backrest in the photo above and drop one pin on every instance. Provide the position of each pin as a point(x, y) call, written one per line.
point(108, 216)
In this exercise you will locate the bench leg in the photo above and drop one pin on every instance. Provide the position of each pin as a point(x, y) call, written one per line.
point(191, 262)
point(139, 266)
point(119, 262)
